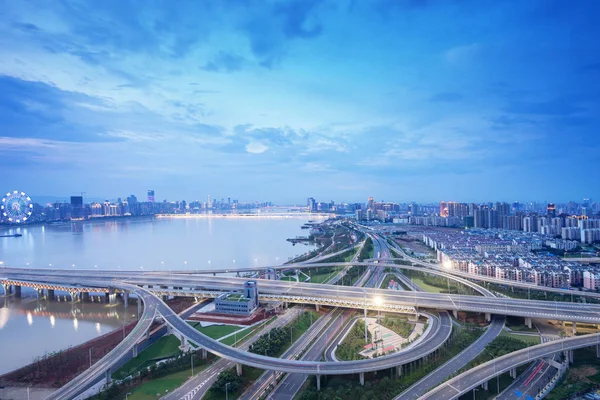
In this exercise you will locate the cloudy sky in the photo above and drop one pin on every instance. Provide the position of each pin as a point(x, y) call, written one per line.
point(401, 100)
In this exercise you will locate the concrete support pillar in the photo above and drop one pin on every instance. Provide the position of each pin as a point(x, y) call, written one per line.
point(484, 385)
point(164, 298)
point(513, 373)
point(40, 293)
point(135, 351)
point(6, 289)
point(399, 370)
point(317, 307)
point(574, 328)
point(361, 376)
point(50, 294)
point(139, 304)
point(488, 317)
point(318, 383)
point(126, 299)
point(85, 296)
point(204, 354)
point(107, 297)
point(73, 296)
point(238, 369)
point(148, 334)
point(528, 322)
point(107, 376)
point(455, 313)
point(17, 291)
point(571, 356)
point(598, 351)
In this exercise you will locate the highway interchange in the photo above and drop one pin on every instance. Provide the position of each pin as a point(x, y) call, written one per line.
point(148, 286)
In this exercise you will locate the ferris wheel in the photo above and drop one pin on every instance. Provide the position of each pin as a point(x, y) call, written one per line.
point(16, 206)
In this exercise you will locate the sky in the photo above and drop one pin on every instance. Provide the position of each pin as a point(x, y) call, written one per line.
point(402, 100)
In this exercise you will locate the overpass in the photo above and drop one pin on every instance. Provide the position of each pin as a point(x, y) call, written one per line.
point(321, 294)
point(480, 374)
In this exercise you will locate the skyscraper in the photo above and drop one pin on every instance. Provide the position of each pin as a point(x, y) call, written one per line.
point(443, 209)
point(551, 210)
point(371, 204)
point(77, 207)
point(150, 196)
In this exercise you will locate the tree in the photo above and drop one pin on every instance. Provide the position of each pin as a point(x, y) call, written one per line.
point(228, 376)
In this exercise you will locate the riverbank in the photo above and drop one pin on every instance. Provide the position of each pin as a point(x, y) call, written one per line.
point(55, 369)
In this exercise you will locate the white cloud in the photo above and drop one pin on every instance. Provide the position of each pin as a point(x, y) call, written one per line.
point(462, 54)
point(256, 148)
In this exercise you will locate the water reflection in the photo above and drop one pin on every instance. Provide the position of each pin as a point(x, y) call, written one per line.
point(70, 324)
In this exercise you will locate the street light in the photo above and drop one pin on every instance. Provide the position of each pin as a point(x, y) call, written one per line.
point(127, 395)
point(227, 390)
point(378, 302)
point(366, 339)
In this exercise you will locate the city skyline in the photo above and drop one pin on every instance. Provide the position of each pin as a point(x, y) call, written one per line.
point(274, 100)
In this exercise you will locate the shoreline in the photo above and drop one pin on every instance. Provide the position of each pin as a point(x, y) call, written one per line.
point(235, 216)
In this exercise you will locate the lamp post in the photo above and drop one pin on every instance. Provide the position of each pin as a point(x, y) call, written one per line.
point(366, 338)
point(192, 361)
point(227, 390)
point(127, 395)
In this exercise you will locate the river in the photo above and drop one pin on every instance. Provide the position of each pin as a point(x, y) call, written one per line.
point(30, 327)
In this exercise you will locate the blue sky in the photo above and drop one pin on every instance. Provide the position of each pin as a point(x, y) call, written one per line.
point(397, 99)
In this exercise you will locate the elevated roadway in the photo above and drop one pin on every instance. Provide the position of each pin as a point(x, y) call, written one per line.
point(470, 379)
point(85, 380)
point(322, 294)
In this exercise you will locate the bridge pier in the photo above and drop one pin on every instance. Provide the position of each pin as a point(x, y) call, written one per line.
point(574, 328)
point(107, 376)
point(238, 369)
point(513, 373)
point(317, 307)
point(135, 351)
point(571, 356)
point(204, 354)
point(488, 317)
point(528, 322)
point(126, 299)
point(17, 291)
point(398, 370)
point(598, 351)
point(318, 383)
point(85, 296)
point(361, 377)
point(455, 313)
point(50, 294)
point(139, 304)
point(484, 385)
point(40, 293)
point(6, 288)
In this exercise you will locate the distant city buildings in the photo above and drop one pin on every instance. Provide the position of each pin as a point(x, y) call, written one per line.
point(508, 255)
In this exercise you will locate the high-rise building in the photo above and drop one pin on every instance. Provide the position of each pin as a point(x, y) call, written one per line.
point(443, 209)
point(502, 208)
point(371, 204)
point(150, 196)
point(209, 203)
point(551, 210)
point(77, 207)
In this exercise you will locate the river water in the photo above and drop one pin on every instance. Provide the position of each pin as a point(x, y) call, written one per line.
point(30, 327)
